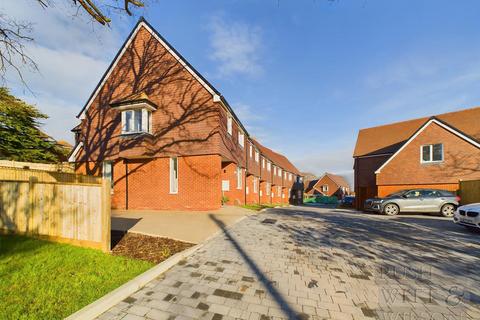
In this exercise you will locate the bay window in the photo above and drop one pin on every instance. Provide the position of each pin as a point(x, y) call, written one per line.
point(136, 121)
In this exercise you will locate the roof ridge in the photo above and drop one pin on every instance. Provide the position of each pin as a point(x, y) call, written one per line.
point(419, 118)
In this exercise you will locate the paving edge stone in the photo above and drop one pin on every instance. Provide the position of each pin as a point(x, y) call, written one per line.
point(109, 300)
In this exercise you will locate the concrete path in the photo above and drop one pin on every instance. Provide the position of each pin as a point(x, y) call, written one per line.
point(191, 226)
point(314, 263)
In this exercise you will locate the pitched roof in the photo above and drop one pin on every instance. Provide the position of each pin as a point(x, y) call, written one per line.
point(339, 180)
point(277, 158)
point(309, 185)
point(142, 23)
point(389, 138)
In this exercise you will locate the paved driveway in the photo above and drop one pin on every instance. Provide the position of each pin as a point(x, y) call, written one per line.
point(314, 263)
point(189, 226)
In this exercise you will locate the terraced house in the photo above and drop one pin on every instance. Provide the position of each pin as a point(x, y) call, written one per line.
point(168, 139)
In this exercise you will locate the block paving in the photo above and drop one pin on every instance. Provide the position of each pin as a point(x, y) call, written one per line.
point(314, 263)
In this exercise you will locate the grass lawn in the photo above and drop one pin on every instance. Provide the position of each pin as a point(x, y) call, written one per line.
point(258, 207)
point(46, 280)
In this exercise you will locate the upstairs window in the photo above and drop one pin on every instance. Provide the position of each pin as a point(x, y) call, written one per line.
point(230, 125)
point(251, 151)
point(274, 170)
point(263, 163)
point(279, 172)
point(257, 156)
point(325, 188)
point(241, 139)
point(136, 121)
point(269, 166)
point(432, 153)
point(290, 177)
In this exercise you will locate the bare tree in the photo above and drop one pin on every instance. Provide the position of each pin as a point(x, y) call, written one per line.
point(14, 35)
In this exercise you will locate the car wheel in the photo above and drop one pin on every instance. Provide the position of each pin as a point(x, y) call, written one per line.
point(391, 209)
point(447, 210)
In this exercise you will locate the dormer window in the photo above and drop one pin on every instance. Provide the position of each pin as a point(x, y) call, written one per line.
point(136, 121)
point(136, 113)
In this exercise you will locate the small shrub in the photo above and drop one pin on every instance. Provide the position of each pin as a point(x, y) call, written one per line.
point(224, 200)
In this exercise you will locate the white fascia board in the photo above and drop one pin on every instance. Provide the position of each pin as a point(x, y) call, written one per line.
point(127, 44)
point(73, 156)
point(446, 127)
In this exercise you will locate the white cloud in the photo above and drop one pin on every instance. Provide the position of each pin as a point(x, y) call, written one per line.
point(71, 53)
point(236, 47)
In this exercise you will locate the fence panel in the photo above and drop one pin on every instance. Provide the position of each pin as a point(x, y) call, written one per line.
point(63, 207)
point(470, 191)
point(59, 167)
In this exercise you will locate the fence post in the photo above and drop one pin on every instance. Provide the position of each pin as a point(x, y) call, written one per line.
point(106, 215)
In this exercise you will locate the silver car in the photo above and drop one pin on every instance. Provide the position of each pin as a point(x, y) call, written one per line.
point(416, 200)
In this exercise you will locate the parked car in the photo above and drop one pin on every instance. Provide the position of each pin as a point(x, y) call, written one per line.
point(416, 200)
point(468, 216)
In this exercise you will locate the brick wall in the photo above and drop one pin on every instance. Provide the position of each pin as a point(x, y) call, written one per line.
point(461, 161)
point(265, 197)
point(235, 195)
point(252, 196)
point(365, 179)
point(386, 190)
point(145, 184)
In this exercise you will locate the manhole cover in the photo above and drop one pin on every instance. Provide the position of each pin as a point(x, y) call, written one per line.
point(270, 221)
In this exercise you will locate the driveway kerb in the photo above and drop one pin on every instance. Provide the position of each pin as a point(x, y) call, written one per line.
point(109, 300)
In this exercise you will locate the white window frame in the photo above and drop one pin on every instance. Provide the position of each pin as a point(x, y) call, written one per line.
point(325, 188)
point(239, 178)
point(257, 156)
point(269, 166)
point(108, 175)
point(145, 125)
point(255, 185)
point(279, 171)
point(268, 188)
point(241, 139)
point(263, 162)
point(230, 125)
point(430, 146)
point(274, 170)
point(251, 151)
point(172, 176)
point(289, 177)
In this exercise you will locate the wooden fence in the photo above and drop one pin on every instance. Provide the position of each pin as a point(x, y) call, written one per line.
point(469, 191)
point(63, 207)
point(56, 167)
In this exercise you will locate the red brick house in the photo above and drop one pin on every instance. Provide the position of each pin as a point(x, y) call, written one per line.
point(163, 134)
point(328, 185)
point(433, 152)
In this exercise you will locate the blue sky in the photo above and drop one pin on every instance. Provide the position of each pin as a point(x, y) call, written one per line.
point(304, 76)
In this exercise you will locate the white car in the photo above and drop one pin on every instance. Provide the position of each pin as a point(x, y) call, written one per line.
point(468, 216)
